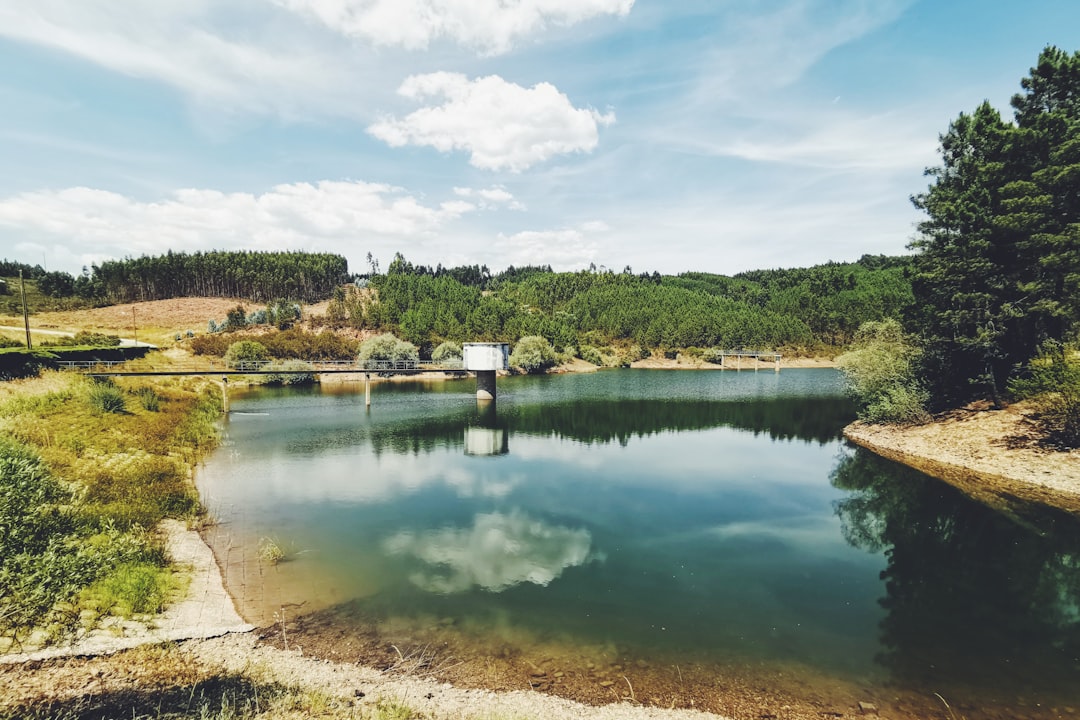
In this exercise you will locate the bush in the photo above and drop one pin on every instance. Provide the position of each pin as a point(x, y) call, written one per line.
point(880, 372)
point(446, 351)
point(245, 353)
point(1052, 382)
point(105, 397)
point(6, 342)
point(149, 399)
point(533, 354)
point(290, 378)
point(93, 339)
point(713, 355)
point(215, 345)
point(387, 348)
point(591, 355)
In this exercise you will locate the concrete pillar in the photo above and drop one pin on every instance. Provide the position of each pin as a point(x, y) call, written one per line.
point(485, 384)
point(367, 389)
point(225, 395)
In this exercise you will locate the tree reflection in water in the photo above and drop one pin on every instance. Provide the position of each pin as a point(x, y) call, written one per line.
point(977, 600)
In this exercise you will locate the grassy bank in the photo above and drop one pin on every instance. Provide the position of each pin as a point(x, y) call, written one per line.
point(87, 469)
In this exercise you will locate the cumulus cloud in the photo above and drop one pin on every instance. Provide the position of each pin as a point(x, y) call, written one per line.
point(499, 551)
point(502, 125)
point(489, 26)
point(287, 216)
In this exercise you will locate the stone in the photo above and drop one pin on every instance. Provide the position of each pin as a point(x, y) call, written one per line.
point(868, 708)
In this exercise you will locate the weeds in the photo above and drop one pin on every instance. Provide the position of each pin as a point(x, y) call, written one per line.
point(81, 482)
point(149, 399)
point(271, 552)
point(105, 397)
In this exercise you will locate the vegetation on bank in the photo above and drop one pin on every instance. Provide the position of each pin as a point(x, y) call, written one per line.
point(89, 468)
point(996, 275)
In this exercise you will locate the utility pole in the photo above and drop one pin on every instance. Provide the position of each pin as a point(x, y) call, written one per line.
point(25, 314)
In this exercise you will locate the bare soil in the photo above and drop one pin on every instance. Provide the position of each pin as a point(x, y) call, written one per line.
point(996, 456)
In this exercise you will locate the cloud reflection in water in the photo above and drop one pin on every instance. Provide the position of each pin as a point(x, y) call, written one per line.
point(499, 551)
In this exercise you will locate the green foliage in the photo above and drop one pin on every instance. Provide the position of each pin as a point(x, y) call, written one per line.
point(1052, 382)
point(255, 276)
point(132, 588)
point(447, 350)
point(998, 270)
point(246, 353)
point(387, 348)
point(591, 355)
point(235, 319)
point(881, 374)
point(290, 374)
point(533, 354)
point(105, 397)
point(47, 554)
point(148, 398)
point(6, 342)
point(93, 339)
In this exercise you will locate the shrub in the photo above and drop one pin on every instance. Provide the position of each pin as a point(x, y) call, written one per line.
point(446, 351)
point(591, 355)
point(245, 353)
point(105, 397)
point(533, 354)
point(1052, 382)
point(149, 399)
point(6, 342)
point(94, 339)
point(713, 355)
point(387, 348)
point(215, 345)
point(290, 378)
point(235, 318)
point(880, 372)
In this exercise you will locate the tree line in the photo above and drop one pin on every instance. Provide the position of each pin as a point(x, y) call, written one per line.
point(254, 276)
point(802, 308)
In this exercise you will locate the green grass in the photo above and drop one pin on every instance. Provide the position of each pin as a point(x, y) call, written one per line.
point(119, 469)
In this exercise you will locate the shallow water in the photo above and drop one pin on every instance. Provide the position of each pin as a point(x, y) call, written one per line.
point(709, 517)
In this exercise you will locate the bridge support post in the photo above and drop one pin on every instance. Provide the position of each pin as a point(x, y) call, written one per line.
point(367, 389)
point(225, 395)
point(777, 363)
point(485, 385)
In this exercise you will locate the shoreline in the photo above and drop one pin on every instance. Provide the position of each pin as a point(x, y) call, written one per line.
point(992, 455)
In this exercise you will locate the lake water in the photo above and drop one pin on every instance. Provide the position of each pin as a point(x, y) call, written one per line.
point(670, 518)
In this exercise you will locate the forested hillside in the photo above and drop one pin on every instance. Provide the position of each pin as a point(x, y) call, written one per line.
point(802, 308)
point(254, 276)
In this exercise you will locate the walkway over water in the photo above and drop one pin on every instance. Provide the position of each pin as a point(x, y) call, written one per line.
point(116, 368)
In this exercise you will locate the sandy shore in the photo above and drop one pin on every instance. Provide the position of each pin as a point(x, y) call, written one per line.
point(993, 455)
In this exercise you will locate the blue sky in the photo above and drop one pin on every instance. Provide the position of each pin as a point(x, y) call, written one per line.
point(713, 135)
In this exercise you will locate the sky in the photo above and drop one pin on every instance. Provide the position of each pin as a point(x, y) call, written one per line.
point(671, 136)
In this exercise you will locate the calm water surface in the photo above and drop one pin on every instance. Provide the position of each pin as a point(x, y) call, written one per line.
point(708, 515)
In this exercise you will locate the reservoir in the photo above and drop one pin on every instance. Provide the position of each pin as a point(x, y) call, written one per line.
point(682, 538)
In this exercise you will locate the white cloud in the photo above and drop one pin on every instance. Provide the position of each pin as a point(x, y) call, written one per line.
point(494, 196)
point(502, 125)
point(499, 551)
point(568, 248)
point(489, 26)
point(296, 216)
point(265, 69)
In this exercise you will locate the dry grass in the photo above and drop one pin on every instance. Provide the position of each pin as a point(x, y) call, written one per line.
point(157, 321)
